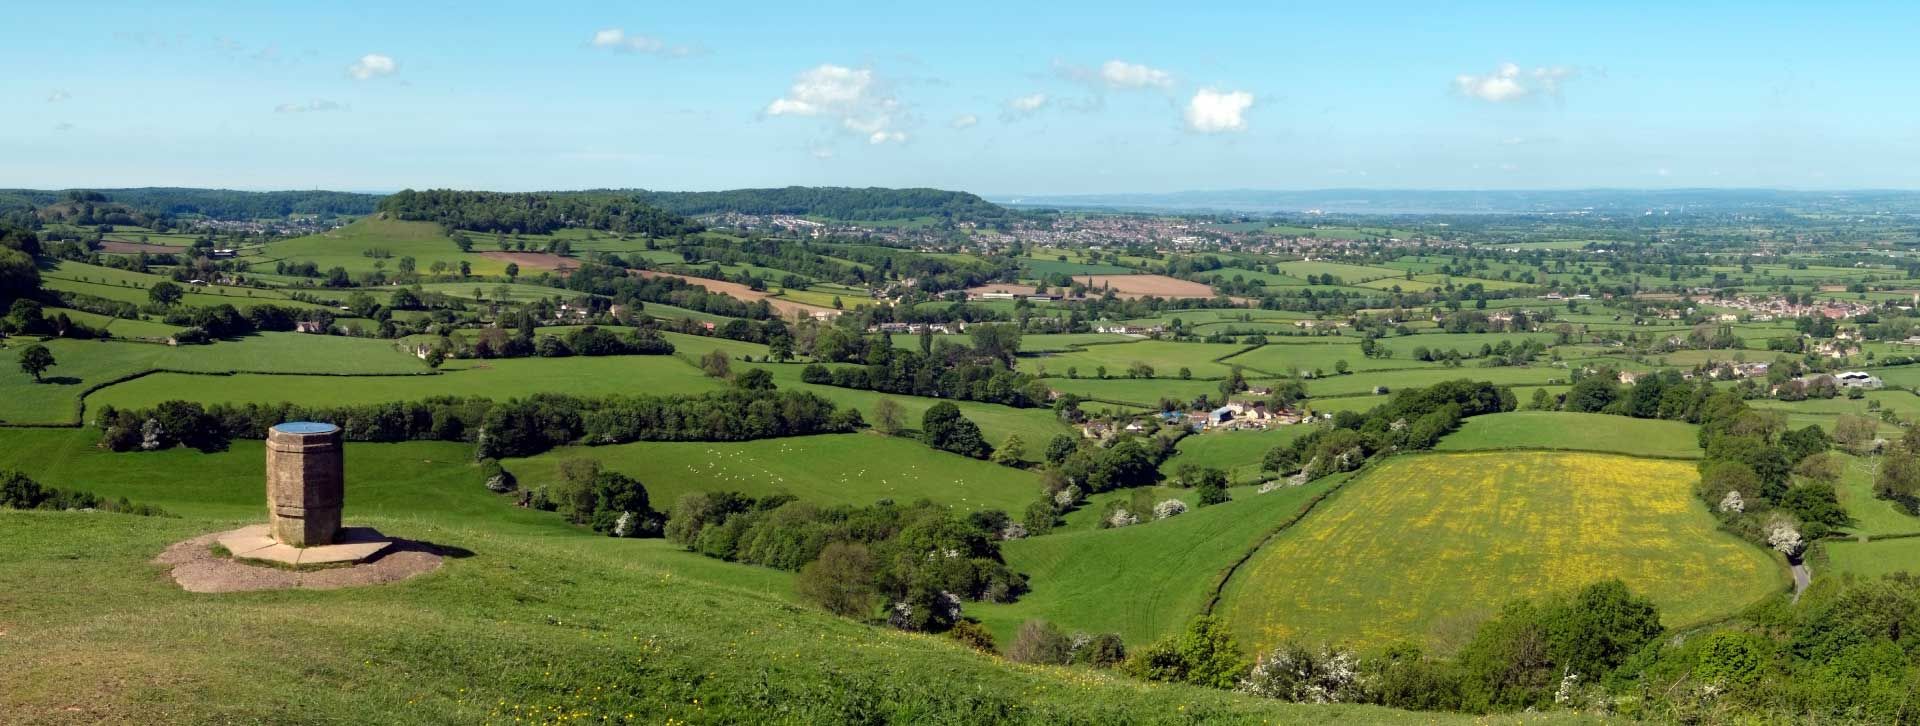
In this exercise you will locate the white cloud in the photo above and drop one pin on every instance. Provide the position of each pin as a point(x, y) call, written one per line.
point(618, 39)
point(58, 95)
point(313, 106)
point(1124, 75)
point(1023, 106)
point(851, 96)
point(965, 121)
point(1510, 82)
point(1212, 112)
point(373, 65)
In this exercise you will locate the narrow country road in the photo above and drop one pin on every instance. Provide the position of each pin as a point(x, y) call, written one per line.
point(1801, 578)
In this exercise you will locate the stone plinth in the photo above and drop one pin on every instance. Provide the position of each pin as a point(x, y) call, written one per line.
point(305, 483)
point(353, 544)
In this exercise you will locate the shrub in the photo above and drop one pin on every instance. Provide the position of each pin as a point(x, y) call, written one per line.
point(1169, 508)
point(973, 635)
point(1105, 650)
point(1205, 654)
point(840, 581)
point(496, 477)
point(1040, 642)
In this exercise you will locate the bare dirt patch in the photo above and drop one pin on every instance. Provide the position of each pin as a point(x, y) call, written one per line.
point(197, 568)
point(130, 248)
point(534, 260)
point(1002, 287)
point(737, 291)
point(1131, 286)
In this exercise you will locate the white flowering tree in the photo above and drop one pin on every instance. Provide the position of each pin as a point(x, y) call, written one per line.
point(1732, 502)
point(1169, 508)
point(1293, 672)
point(1122, 518)
point(1783, 534)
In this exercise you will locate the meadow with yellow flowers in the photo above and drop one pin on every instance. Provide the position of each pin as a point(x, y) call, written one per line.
point(1422, 548)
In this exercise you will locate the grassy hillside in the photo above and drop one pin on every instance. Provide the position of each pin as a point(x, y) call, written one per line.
point(534, 621)
point(1575, 432)
point(1420, 548)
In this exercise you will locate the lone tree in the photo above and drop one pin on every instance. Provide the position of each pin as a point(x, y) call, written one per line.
point(35, 359)
point(513, 270)
point(165, 293)
point(944, 428)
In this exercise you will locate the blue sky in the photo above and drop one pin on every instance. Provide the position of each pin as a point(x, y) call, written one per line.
point(993, 97)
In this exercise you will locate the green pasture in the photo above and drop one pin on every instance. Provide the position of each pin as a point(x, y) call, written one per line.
point(857, 469)
point(1575, 432)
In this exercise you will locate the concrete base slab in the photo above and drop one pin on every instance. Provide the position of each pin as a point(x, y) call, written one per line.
point(352, 544)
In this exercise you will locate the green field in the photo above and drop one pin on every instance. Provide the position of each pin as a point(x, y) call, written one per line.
point(1239, 453)
point(1166, 358)
point(1420, 548)
point(1035, 426)
point(499, 379)
point(1575, 432)
point(84, 364)
point(857, 469)
point(1307, 355)
point(1870, 559)
point(1871, 515)
point(1145, 580)
point(132, 287)
point(347, 246)
point(1417, 378)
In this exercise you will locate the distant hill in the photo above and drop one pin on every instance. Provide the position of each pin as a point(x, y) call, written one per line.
point(1493, 201)
point(178, 201)
point(842, 203)
point(537, 212)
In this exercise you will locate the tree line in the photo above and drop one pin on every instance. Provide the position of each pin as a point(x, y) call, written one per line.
point(536, 212)
point(513, 428)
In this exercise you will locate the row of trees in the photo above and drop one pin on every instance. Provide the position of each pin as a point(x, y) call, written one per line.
point(519, 427)
point(1412, 419)
point(18, 491)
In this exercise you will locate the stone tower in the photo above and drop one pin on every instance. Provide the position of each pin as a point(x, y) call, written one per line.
point(305, 483)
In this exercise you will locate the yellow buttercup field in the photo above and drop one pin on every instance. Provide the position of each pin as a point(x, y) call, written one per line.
point(1421, 548)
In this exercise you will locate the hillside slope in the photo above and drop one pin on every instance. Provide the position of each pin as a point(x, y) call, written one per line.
point(564, 627)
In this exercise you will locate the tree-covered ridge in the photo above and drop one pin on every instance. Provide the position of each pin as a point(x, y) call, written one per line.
point(155, 202)
point(847, 203)
point(537, 212)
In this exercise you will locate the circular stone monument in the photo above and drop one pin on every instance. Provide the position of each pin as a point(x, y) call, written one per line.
point(306, 485)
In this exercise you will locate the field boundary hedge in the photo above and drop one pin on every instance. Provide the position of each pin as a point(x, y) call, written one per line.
point(80, 403)
point(1573, 450)
point(1220, 584)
